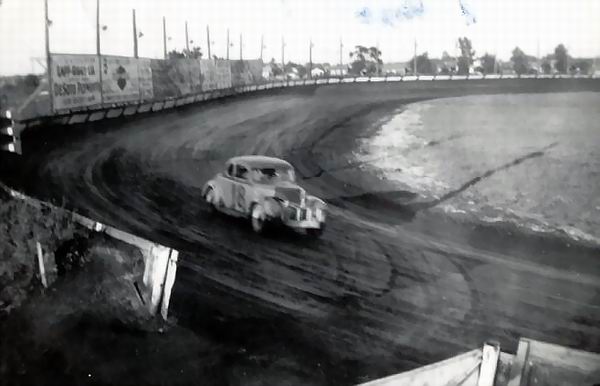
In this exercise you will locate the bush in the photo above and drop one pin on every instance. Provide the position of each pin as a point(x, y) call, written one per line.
point(21, 225)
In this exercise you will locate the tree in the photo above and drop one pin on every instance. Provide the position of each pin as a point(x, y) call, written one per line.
point(520, 61)
point(448, 64)
point(296, 68)
point(488, 63)
point(424, 65)
point(175, 55)
point(365, 61)
point(546, 67)
point(194, 53)
point(562, 57)
point(582, 66)
point(465, 59)
point(275, 68)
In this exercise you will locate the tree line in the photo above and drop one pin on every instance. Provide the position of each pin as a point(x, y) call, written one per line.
point(367, 61)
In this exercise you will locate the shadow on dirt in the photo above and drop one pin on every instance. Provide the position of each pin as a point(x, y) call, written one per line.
point(261, 339)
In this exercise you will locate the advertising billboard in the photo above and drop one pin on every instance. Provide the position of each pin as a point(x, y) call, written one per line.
point(75, 81)
point(216, 74)
point(175, 77)
point(120, 79)
point(246, 72)
point(145, 79)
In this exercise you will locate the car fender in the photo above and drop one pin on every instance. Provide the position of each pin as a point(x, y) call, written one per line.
point(272, 207)
point(317, 201)
point(212, 184)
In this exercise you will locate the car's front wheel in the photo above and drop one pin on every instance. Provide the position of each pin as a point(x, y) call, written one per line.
point(258, 218)
point(210, 197)
point(316, 232)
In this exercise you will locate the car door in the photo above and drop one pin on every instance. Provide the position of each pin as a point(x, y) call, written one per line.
point(240, 188)
point(226, 182)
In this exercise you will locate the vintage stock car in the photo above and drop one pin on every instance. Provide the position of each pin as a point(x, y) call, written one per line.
point(264, 190)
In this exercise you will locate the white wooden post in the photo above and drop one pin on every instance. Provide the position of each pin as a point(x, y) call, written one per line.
point(40, 256)
point(169, 282)
point(489, 363)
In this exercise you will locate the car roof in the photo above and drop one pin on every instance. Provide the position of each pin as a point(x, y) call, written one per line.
point(259, 161)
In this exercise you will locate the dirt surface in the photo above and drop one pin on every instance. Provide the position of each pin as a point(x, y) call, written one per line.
point(389, 287)
point(92, 327)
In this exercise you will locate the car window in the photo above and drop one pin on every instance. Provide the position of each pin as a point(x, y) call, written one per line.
point(273, 175)
point(230, 170)
point(241, 172)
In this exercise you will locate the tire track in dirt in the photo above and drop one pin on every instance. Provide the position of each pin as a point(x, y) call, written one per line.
point(367, 298)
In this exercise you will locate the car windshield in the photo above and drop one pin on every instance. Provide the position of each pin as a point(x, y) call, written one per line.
point(272, 175)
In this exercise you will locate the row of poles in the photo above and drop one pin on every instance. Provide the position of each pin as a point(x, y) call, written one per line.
point(165, 52)
point(187, 40)
point(208, 41)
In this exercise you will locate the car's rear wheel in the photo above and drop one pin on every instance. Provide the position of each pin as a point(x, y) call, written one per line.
point(258, 218)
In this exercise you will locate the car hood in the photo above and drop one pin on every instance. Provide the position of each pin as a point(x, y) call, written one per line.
point(290, 192)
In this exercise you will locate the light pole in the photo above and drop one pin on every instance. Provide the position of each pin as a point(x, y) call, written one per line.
point(415, 59)
point(187, 39)
point(262, 46)
point(228, 44)
point(283, 54)
point(208, 40)
point(98, 28)
point(48, 57)
point(164, 38)
point(98, 49)
point(241, 44)
point(135, 37)
point(310, 47)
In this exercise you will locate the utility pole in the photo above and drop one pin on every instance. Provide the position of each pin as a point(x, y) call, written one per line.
point(135, 37)
point(227, 44)
point(378, 66)
point(539, 59)
point(495, 63)
point(98, 49)
point(164, 38)
point(208, 40)
point(241, 57)
point(341, 53)
point(262, 46)
point(187, 40)
point(415, 59)
point(283, 53)
point(310, 47)
point(98, 28)
point(48, 57)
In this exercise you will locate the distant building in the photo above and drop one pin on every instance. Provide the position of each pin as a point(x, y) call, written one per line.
point(338, 70)
point(506, 67)
point(317, 72)
point(446, 65)
point(396, 68)
point(267, 71)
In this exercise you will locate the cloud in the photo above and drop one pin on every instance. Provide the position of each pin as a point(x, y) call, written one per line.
point(467, 11)
point(364, 15)
point(392, 14)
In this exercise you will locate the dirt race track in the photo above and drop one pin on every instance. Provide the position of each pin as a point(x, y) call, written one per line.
point(386, 289)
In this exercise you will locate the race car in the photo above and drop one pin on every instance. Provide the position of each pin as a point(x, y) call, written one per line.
point(264, 190)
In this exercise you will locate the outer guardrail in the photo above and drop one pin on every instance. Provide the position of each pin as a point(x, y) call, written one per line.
point(92, 114)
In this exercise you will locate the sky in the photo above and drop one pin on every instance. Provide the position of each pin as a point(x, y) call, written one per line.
point(494, 26)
